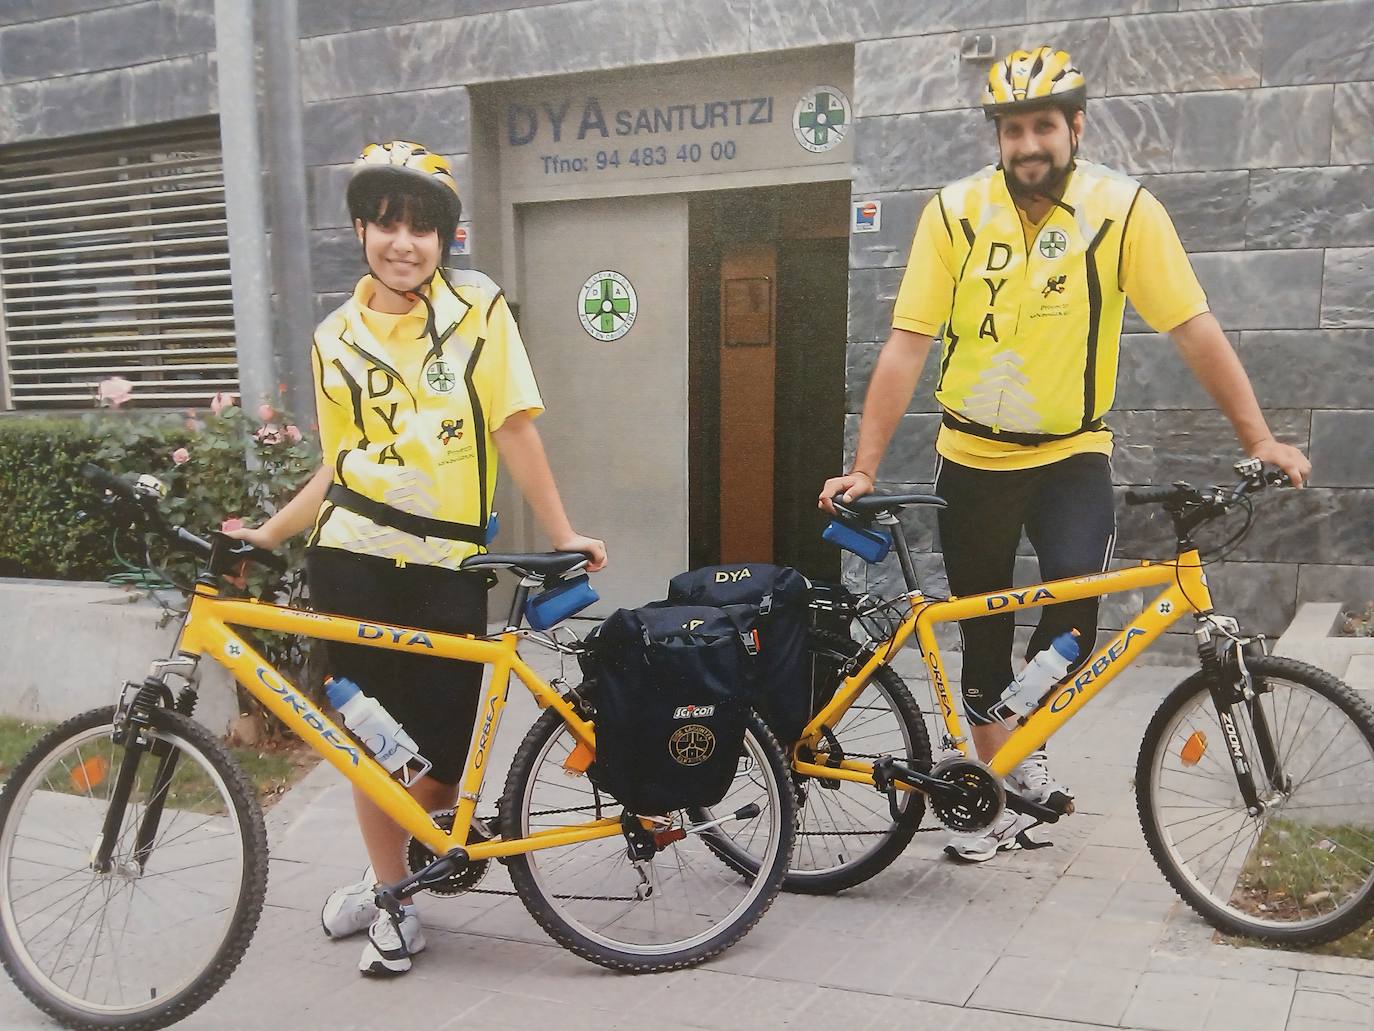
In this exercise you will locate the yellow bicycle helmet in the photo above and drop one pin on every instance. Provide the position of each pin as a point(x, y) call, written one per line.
point(403, 163)
point(1029, 79)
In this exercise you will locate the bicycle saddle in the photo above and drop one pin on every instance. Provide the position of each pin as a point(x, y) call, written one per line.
point(544, 563)
point(872, 504)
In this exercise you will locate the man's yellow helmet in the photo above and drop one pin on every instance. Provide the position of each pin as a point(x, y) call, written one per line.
point(1028, 79)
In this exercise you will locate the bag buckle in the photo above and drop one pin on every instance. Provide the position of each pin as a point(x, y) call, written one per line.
point(751, 641)
point(766, 605)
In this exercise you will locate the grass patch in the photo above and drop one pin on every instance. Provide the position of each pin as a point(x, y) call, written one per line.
point(1299, 870)
point(271, 769)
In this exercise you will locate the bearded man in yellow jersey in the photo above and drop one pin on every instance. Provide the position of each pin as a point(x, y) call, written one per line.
point(421, 381)
point(1023, 270)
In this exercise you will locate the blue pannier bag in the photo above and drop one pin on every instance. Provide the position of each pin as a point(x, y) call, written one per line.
point(671, 687)
point(773, 605)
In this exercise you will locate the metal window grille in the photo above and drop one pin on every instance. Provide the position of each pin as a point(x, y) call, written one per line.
point(114, 261)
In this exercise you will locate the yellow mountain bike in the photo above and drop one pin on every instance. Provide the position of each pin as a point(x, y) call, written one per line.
point(1255, 779)
point(133, 856)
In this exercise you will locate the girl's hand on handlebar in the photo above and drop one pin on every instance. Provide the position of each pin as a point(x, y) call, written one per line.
point(851, 485)
point(258, 536)
point(594, 549)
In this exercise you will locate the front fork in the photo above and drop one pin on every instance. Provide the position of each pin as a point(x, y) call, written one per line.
point(1223, 652)
point(132, 729)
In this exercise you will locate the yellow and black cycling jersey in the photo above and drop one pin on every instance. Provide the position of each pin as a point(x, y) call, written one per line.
point(1030, 315)
point(407, 411)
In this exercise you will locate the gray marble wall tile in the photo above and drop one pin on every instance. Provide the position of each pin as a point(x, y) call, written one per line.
point(924, 73)
point(1166, 53)
point(116, 38)
point(70, 105)
point(1262, 595)
point(1311, 207)
point(1346, 296)
point(1202, 5)
point(1262, 128)
point(1318, 42)
point(784, 24)
point(37, 49)
point(165, 91)
point(1199, 446)
point(554, 39)
point(336, 260)
point(1349, 585)
point(1316, 524)
point(336, 130)
point(1045, 9)
point(1152, 375)
point(1310, 368)
point(1342, 448)
point(1207, 208)
point(859, 363)
point(871, 295)
point(1132, 134)
point(910, 456)
point(920, 151)
point(1262, 289)
point(1352, 124)
point(891, 245)
point(14, 11)
point(323, 17)
point(327, 302)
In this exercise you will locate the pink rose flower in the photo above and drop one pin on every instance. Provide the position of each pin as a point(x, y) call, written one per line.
point(114, 392)
point(232, 523)
point(181, 456)
point(293, 433)
point(220, 402)
point(266, 412)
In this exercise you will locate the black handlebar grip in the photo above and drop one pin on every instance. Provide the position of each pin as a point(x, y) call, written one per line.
point(108, 481)
point(1150, 495)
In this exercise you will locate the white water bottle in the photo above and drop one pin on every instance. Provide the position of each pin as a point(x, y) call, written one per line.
point(1045, 670)
point(378, 730)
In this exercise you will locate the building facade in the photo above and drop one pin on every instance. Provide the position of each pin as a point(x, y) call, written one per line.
point(702, 214)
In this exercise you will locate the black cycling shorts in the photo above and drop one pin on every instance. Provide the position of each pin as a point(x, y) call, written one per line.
point(1065, 510)
point(434, 699)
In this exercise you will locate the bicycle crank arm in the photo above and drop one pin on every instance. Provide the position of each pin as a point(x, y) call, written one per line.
point(887, 770)
point(435, 873)
point(1026, 807)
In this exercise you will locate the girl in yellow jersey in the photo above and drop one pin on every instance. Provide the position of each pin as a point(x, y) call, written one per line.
point(1023, 270)
point(421, 384)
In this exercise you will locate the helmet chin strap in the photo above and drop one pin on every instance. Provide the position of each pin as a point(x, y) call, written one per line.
point(1049, 190)
point(430, 330)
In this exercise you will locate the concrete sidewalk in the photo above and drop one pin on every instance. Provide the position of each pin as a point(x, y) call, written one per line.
point(1084, 934)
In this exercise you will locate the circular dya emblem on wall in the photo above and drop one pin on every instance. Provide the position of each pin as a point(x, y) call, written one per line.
point(691, 745)
point(607, 305)
point(440, 377)
point(821, 118)
point(1053, 243)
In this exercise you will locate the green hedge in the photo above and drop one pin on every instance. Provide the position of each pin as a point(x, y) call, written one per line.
point(42, 494)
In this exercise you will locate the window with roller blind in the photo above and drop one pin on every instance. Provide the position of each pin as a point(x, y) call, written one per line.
point(114, 261)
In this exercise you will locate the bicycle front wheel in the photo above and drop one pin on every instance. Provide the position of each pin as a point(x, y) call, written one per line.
point(676, 909)
point(1299, 872)
point(145, 937)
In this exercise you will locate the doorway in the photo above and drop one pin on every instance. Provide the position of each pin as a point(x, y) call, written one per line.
point(768, 303)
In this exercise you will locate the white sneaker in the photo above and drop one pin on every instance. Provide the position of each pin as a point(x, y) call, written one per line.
point(1006, 834)
point(351, 908)
point(387, 953)
point(1032, 781)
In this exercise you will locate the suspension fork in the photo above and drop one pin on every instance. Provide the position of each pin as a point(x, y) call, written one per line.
point(1229, 684)
point(132, 728)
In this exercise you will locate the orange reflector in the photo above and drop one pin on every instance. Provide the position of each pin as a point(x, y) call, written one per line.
point(579, 759)
point(91, 773)
point(1194, 748)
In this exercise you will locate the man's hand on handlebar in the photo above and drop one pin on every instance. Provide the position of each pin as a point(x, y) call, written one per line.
point(1286, 457)
point(851, 485)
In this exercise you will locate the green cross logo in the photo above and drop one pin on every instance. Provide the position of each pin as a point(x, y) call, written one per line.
point(1053, 243)
point(608, 305)
point(821, 119)
point(440, 378)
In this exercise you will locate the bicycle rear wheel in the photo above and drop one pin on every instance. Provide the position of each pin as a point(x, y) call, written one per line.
point(590, 897)
point(145, 938)
point(1302, 870)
